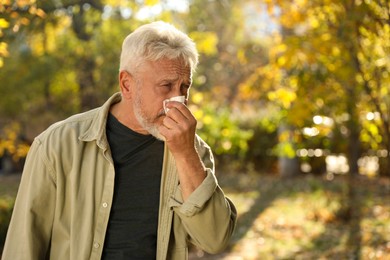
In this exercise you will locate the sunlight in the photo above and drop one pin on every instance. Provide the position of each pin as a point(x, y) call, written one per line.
point(322, 120)
point(337, 164)
point(147, 12)
point(368, 165)
point(310, 131)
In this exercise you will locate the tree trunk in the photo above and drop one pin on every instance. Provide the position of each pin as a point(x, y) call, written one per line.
point(87, 64)
point(86, 81)
point(384, 166)
point(288, 166)
point(354, 150)
point(353, 125)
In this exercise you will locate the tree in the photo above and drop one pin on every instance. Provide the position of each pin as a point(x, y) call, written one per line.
point(63, 58)
point(60, 62)
point(14, 16)
point(229, 54)
point(321, 65)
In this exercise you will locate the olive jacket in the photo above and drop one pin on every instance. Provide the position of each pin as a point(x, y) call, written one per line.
point(67, 186)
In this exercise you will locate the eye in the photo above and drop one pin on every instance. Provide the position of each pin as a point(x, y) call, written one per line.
point(185, 88)
point(166, 87)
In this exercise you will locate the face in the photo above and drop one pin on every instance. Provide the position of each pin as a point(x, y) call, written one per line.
point(155, 82)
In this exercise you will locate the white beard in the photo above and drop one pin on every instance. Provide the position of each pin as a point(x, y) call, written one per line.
point(146, 122)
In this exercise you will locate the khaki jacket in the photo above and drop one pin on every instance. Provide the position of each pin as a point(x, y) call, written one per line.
point(64, 199)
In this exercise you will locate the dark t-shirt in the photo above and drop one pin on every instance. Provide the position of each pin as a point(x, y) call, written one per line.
point(132, 227)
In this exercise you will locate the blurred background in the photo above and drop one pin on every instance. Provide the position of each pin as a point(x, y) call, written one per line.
point(292, 96)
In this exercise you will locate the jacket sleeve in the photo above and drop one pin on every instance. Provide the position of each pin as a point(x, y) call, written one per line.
point(208, 216)
point(29, 232)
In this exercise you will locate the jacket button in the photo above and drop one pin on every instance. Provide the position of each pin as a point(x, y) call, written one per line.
point(96, 245)
point(105, 205)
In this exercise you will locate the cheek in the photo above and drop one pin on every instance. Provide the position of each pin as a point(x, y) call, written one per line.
point(158, 104)
point(152, 103)
point(154, 107)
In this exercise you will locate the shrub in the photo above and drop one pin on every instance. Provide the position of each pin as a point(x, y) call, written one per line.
point(6, 207)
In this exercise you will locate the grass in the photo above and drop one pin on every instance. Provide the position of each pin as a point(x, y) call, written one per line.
point(299, 218)
point(308, 218)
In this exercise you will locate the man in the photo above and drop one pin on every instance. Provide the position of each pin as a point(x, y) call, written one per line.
point(126, 180)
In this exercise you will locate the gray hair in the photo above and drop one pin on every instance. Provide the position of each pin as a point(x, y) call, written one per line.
point(155, 41)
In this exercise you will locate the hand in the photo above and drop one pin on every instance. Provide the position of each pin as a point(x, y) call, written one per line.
point(178, 128)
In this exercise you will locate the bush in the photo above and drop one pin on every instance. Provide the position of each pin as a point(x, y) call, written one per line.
point(222, 131)
point(6, 207)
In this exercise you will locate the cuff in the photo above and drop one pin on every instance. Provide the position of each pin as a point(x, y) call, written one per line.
point(197, 199)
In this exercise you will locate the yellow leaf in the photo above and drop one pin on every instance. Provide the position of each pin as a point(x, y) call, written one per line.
point(271, 95)
point(152, 2)
point(241, 57)
point(40, 13)
point(4, 23)
point(198, 114)
point(14, 15)
point(326, 37)
point(206, 42)
point(293, 82)
point(207, 120)
point(24, 21)
point(283, 96)
point(197, 97)
point(336, 51)
point(281, 61)
point(3, 49)
point(225, 132)
point(23, 3)
point(5, 2)
point(281, 47)
point(314, 23)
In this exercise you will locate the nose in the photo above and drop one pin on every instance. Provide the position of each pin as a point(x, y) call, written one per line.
point(178, 91)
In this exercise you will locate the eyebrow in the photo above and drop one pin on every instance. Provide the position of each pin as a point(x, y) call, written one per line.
point(171, 80)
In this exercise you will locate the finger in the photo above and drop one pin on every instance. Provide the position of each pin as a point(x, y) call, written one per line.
point(182, 108)
point(164, 131)
point(169, 122)
point(183, 122)
point(176, 115)
point(168, 133)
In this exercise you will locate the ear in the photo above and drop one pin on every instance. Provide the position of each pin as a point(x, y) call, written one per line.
point(125, 84)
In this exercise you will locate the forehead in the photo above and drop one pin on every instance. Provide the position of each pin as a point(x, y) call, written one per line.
point(167, 69)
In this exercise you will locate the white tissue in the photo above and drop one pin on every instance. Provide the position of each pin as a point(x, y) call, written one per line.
point(180, 99)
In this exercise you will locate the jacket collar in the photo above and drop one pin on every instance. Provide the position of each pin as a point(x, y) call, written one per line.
point(97, 129)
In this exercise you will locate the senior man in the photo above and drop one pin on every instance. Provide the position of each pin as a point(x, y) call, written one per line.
point(130, 179)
